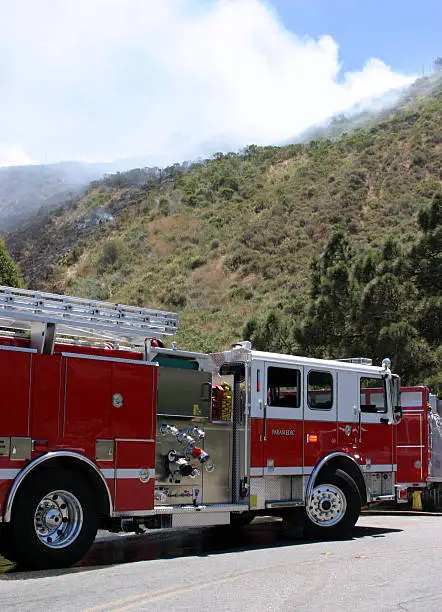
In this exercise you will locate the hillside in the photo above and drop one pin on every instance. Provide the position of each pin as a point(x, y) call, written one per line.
point(371, 112)
point(24, 190)
point(222, 240)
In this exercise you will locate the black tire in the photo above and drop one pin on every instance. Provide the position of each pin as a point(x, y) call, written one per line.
point(6, 547)
point(71, 537)
point(341, 491)
point(241, 520)
point(428, 504)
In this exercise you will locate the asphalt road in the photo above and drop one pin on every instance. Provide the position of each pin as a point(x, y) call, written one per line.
point(391, 563)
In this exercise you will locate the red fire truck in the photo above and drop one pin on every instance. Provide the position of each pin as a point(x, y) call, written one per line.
point(102, 427)
point(419, 449)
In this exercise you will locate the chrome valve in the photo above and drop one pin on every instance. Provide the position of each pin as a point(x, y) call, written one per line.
point(179, 464)
point(198, 433)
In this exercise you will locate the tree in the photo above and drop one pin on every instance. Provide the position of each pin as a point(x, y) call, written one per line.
point(337, 250)
point(376, 305)
point(434, 381)
point(272, 332)
point(9, 272)
point(366, 266)
point(327, 329)
point(410, 354)
point(425, 257)
point(428, 319)
point(384, 301)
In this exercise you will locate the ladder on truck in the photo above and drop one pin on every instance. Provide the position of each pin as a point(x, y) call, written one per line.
point(47, 316)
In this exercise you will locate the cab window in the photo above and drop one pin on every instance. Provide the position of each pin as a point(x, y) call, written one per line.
point(320, 390)
point(283, 387)
point(372, 395)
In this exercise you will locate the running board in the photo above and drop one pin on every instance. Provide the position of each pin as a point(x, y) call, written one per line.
point(285, 504)
point(201, 508)
point(383, 498)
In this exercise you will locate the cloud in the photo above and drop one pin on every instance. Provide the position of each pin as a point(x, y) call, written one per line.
point(165, 79)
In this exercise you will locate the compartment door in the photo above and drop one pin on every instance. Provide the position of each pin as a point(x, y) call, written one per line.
point(133, 415)
point(412, 438)
point(134, 475)
point(15, 377)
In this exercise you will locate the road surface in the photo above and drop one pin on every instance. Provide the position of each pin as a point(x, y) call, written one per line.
point(391, 563)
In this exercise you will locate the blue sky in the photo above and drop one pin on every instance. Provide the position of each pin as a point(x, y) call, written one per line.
point(170, 80)
point(406, 34)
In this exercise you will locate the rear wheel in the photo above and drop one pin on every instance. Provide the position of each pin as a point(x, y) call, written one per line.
point(54, 520)
point(334, 506)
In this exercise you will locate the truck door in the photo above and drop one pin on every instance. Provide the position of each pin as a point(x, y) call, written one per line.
point(282, 420)
point(320, 415)
point(348, 409)
point(276, 419)
point(375, 433)
point(363, 420)
point(257, 419)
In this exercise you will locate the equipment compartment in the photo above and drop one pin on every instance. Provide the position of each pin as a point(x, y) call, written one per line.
point(184, 393)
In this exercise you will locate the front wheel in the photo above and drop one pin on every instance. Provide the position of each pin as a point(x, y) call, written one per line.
point(54, 520)
point(334, 506)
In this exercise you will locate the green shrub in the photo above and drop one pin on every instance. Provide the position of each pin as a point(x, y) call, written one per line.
point(112, 256)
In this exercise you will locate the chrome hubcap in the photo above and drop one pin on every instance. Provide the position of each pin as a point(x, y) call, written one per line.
point(58, 519)
point(327, 505)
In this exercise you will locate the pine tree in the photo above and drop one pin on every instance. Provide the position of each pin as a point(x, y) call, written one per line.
point(328, 328)
point(9, 272)
point(426, 255)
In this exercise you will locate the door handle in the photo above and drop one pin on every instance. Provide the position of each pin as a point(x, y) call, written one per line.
point(206, 390)
point(265, 421)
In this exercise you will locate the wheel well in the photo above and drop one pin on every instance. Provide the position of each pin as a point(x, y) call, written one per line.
point(352, 469)
point(79, 466)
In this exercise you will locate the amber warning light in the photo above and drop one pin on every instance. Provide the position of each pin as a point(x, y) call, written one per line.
point(40, 446)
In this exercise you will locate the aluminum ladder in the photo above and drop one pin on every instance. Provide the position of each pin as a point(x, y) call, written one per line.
point(47, 315)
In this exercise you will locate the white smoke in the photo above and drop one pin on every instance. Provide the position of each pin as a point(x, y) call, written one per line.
point(13, 155)
point(165, 79)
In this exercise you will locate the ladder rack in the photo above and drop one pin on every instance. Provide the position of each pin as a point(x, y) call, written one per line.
point(38, 312)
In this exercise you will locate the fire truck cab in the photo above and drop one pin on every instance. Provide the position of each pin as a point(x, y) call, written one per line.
point(100, 428)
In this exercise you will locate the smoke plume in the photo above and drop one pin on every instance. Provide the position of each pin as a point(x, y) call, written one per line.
point(166, 80)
